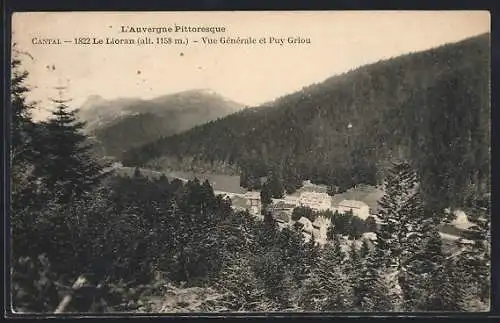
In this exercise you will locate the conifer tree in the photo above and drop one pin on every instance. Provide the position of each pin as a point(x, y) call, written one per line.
point(137, 173)
point(271, 271)
point(312, 254)
point(356, 228)
point(371, 291)
point(208, 196)
point(241, 289)
point(433, 256)
point(403, 232)
point(419, 279)
point(340, 223)
point(23, 150)
point(338, 253)
point(303, 211)
point(312, 297)
point(354, 265)
point(334, 279)
point(22, 123)
point(365, 248)
point(476, 257)
point(275, 186)
point(328, 288)
point(70, 169)
point(432, 272)
point(291, 243)
point(447, 287)
point(265, 196)
point(371, 224)
point(25, 201)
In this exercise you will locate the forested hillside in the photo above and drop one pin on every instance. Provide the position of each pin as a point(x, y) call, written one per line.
point(431, 108)
point(120, 124)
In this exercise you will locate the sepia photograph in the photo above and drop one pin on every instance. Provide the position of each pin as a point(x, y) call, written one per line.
point(250, 162)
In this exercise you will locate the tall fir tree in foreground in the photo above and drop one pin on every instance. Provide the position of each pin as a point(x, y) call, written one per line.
point(476, 257)
point(70, 170)
point(354, 265)
point(241, 289)
point(402, 235)
point(328, 287)
point(440, 286)
point(371, 291)
point(421, 282)
point(24, 153)
point(22, 147)
point(22, 123)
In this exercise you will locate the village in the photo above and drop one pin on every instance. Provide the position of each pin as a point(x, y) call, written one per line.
point(309, 196)
point(360, 200)
point(315, 198)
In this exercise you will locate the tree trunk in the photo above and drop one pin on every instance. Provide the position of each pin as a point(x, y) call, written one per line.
point(79, 282)
point(184, 266)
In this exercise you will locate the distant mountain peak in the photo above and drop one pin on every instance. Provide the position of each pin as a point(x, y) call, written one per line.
point(201, 92)
point(122, 123)
point(92, 100)
point(205, 91)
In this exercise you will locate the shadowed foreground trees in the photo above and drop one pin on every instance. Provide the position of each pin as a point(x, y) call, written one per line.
point(133, 230)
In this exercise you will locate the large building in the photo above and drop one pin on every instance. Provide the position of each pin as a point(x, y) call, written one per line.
point(316, 201)
point(358, 208)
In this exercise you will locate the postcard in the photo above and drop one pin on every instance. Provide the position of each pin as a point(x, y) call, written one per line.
point(250, 162)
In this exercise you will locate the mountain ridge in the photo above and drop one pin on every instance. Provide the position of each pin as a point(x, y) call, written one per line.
point(122, 123)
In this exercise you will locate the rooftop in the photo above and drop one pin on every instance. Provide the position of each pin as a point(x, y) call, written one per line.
point(305, 221)
point(313, 195)
point(252, 195)
point(461, 221)
point(282, 216)
point(353, 204)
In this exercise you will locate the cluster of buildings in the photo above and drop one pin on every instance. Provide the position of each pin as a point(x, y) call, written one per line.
point(316, 201)
point(282, 209)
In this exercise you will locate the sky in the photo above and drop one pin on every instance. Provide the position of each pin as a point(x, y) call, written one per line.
point(249, 74)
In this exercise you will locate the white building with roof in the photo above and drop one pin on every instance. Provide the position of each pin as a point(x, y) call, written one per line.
point(461, 221)
point(292, 200)
point(254, 204)
point(316, 201)
point(306, 224)
point(285, 204)
point(358, 208)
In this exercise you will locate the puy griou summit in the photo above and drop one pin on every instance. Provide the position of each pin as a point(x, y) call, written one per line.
point(120, 124)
